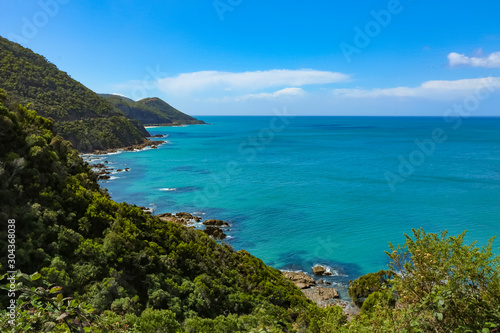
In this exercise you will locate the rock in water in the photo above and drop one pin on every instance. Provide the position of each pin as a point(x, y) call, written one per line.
point(218, 223)
point(319, 270)
point(215, 232)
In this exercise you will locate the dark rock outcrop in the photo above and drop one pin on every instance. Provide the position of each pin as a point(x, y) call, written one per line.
point(218, 223)
point(215, 232)
point(179, 218)
point(320, 270)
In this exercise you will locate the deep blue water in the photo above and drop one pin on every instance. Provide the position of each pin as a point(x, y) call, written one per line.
point(330, 190)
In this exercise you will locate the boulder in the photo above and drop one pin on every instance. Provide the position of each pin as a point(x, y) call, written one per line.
point(187, 216)
point(218, 223)
point(181, 218)
point(321, 295)
point(215, 232)
point(320, 270)
point(300, 279)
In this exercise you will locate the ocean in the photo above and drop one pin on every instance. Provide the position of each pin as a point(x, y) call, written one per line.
point(300, 191)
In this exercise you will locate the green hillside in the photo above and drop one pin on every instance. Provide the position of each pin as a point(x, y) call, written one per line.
point(151, 111)
point(88, 121)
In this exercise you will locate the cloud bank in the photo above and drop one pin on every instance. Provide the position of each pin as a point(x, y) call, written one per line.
point(491, 61)
point(440, 89)
point(187, 83)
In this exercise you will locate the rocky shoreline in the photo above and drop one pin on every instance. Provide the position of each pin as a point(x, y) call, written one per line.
point(316, 290)
point(147, 143)
point(213, 228)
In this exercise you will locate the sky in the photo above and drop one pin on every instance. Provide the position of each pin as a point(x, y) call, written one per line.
point(256, 57)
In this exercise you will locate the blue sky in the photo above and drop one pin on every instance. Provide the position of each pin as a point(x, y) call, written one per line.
point(251, 57)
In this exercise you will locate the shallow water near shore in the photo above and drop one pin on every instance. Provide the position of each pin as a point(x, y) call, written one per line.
point(301, 191)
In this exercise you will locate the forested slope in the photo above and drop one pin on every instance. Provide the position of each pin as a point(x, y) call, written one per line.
point(81, 116)
point(151, 111)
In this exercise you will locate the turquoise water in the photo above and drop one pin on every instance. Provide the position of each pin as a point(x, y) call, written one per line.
point(307, 190)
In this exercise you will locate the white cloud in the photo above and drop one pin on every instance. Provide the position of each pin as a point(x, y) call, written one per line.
point(283, 93)
point(492, 61)
point(287, 92)
point(431, 89)
point(246, 81)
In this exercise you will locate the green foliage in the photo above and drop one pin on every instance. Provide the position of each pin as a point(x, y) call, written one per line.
point(383, 298)
point(155, 321)
point(361, 288)
point(88, 121)
point(151, 111)
point(41, 307)
point(92, 134)
point(446, 284)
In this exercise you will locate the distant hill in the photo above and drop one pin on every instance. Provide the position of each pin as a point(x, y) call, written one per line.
point(88, 121)
point(151, 111)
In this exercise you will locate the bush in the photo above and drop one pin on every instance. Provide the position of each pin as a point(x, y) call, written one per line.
point(361, 288)
point(445, 285)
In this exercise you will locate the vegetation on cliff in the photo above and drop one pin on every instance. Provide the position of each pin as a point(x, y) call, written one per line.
point(80, 115)
point(151, 111)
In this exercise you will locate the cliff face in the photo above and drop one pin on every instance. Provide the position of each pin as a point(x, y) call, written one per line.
point(88, 121)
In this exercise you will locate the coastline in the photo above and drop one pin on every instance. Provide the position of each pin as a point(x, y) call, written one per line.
point(171, 125)
point(314, 286)
point(146, 144)
point(320, 290)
